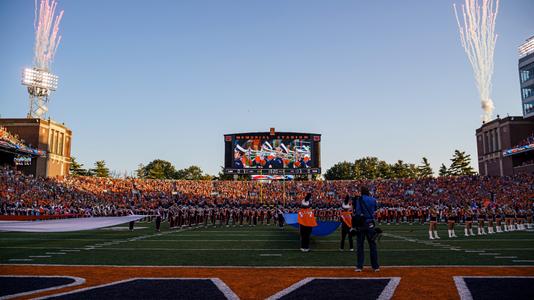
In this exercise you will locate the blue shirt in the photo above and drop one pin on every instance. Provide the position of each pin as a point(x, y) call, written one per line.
point(368, 212)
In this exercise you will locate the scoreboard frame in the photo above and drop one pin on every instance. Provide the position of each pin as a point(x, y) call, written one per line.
point(313, 138)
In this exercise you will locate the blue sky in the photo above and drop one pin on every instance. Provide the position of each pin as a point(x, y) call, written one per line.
point(141, 80)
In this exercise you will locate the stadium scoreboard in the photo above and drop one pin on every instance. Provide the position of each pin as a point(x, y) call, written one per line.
point(272, 153)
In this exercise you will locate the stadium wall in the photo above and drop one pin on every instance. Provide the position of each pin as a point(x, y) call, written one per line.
point(47, 135)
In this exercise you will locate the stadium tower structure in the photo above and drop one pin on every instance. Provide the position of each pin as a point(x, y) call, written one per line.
point(501, 144)
point(40, 85)
point(526, 76)
point(44, 136)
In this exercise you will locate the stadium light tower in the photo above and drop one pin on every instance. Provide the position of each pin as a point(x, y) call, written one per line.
point(39, 80)
point(40, 84)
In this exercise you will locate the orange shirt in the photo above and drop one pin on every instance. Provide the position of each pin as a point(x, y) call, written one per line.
point(346, 216)
point(306, 217)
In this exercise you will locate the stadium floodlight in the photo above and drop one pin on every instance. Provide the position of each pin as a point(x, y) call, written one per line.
point(39, 80)
point(40, 84)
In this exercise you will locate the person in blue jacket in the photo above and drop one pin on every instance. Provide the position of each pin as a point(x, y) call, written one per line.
point(365, 206)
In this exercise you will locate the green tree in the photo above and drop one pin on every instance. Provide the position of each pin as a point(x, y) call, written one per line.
point(399, 169)
point(100, 169)
point(367, 168)
point(340, 171)
point(140, 172)
point(222, 176)
point(384, 170)
point(76, 169)
point(424, 169)
point(461, 164)
point(157, 169)
point(443, 171)
point(192, 173)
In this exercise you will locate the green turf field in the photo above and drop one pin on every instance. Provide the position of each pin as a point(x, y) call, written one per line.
point(258, 246)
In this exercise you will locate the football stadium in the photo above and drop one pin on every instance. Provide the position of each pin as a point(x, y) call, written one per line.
point(290, 214)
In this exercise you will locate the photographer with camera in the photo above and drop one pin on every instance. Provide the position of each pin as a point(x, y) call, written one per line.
point(363, 223)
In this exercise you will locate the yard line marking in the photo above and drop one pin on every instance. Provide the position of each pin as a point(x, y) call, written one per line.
point(39, 256)
point(274, 254)
point(20, 259)
point(524, 260)
point(55, 253)
point(70, 250)
point(505, 256)
point(474, 251)
point(489, 254)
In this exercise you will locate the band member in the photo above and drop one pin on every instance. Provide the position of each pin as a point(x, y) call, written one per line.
point(306, 220)
point(280, 217)
point(238, 157)
point(451, 221)
point(346, 224)
point(158, 219)
point(433, 226)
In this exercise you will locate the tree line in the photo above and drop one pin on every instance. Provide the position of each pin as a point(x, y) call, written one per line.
point(156, 169)
point(374, 168)
point(363, 168)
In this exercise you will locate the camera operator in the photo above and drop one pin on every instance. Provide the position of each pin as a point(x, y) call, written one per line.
point(363, 221)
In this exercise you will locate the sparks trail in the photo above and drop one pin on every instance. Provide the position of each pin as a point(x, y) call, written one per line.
point(477, 34)
point(46, 25)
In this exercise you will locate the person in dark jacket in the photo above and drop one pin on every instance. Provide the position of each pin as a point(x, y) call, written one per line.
point(365, 206)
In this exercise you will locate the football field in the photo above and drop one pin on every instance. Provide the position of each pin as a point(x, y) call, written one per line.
point(262, 262)
point(401, 245)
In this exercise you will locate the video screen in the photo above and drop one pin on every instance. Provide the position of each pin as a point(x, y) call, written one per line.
point(272, 154)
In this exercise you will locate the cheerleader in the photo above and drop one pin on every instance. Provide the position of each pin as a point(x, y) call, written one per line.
point(451, 220)
point(481, 217)
point(508, 215)
point(498, 220)
point(433, 227)
point(346, 225)
point(521, 216)
point(468, 230)
point(306, 220)
point(529, 218)
point(491, 219)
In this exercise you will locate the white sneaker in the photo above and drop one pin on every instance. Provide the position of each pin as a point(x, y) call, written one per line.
point(357, 270)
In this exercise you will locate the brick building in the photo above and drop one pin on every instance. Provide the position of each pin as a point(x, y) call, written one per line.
point(46, 135)
point(499, 135)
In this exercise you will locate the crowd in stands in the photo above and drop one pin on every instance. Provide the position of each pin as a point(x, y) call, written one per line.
point(527, 141)
point(6, 136)
point(94, 196)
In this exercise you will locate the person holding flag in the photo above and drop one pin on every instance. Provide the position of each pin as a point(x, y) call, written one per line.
point(346, 224)
point(306, 220)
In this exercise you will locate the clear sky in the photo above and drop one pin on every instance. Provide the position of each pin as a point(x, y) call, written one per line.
point(141, 80)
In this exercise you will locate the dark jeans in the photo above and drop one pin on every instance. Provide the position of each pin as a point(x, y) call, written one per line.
point(360, 238)
point(345, 230)
point(305, 233)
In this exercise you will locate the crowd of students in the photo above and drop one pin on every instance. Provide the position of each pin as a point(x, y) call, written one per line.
point(188, 203)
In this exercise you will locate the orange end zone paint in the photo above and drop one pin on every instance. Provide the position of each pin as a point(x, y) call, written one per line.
point(260, 283)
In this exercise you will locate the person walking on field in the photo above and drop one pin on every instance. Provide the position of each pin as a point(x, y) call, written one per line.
point(364, 208)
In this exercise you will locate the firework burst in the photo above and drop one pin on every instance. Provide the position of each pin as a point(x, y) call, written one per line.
point(476, 24)
point(46, 26)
